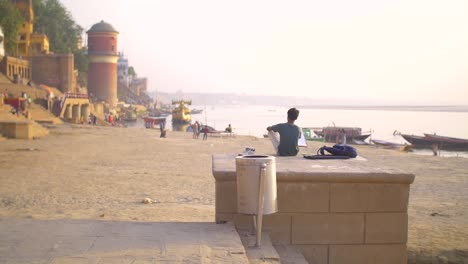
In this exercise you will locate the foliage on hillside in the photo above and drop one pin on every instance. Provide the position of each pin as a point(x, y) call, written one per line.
point(65, 35)
point(10, 21)
point(132, 72)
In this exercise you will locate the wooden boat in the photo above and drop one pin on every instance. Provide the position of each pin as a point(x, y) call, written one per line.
point(332, 134)
point(181, 114)
point(151, 121)
point(307, 131)
point(431, 141)
point(197, 111)
point(129, 116)
point(159, 112)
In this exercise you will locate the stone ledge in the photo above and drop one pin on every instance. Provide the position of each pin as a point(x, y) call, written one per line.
point(17, 129)
point(298, 169)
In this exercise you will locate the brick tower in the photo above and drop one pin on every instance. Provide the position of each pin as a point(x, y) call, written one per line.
point(103, 57)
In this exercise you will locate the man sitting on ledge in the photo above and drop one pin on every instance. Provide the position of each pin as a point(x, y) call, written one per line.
point(228, 129)
point(289, 135)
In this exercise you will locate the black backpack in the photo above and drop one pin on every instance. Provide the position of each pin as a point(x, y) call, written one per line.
point(338, 150)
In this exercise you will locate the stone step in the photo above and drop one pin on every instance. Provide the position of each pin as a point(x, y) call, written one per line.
point(42, 115)
point(93, 241)
point(4, 79)
point(266, 253)
point(290, 255)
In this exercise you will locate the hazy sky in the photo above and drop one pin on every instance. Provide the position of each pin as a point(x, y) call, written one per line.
point(365, 50)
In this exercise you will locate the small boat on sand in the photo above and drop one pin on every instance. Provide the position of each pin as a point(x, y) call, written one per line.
point(431, 141)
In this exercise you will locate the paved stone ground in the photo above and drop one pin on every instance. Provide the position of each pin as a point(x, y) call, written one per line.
point(90, 241)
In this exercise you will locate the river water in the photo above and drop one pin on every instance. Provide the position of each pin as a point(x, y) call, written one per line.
point(252, 120)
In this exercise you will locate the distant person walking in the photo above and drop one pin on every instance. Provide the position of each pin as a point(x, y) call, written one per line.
point(205, 133)
point(162, 127)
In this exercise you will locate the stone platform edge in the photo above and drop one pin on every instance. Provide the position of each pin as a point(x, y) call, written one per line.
point(304, 170)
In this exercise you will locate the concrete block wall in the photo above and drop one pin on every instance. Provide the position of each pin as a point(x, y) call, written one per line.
point(16, 129)
point(352, 218)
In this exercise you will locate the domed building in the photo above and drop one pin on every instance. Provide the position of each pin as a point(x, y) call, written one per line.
point(103, 57)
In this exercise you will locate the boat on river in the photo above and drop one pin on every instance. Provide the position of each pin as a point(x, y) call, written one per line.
point(309, 135)
point(181, 114)
point(334, 133)
point(151, 121)
point(391, 145)
point(197, 111)
point(430, 141)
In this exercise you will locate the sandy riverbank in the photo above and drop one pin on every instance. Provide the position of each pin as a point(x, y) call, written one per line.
point(83, 172)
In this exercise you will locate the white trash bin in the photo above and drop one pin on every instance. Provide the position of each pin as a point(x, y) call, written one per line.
point(256, 188)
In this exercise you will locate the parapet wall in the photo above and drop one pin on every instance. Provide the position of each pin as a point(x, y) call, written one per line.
point(334, 211)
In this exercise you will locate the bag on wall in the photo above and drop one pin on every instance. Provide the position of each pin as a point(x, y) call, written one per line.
point(338, 150)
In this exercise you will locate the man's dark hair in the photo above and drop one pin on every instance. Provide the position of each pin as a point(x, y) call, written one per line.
point(293, 113)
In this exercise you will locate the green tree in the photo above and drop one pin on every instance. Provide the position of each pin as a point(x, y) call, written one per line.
point(53, 19)
point(81, 59)
point(131, 71)
point(10, 21)
point(81, 64)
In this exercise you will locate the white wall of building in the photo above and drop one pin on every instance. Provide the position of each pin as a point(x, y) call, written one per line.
point(122, 70)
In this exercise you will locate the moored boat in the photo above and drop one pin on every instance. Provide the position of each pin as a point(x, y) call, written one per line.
point(334, 133)
point(197, 111)
point(429, 141)
point(181, 114)
point(151, 121)
point(308, 135)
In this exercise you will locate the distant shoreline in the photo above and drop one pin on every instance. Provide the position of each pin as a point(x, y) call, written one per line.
point(414, 108)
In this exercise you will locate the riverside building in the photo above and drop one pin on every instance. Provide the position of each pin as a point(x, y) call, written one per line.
point(103, 57)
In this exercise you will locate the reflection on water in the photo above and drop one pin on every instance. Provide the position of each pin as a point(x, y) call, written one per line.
point(139, 123)
point(181, 127)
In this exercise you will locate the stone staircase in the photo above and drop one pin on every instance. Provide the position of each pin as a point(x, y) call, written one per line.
point(42, 115)
point(4, 79)
point(28, 127)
